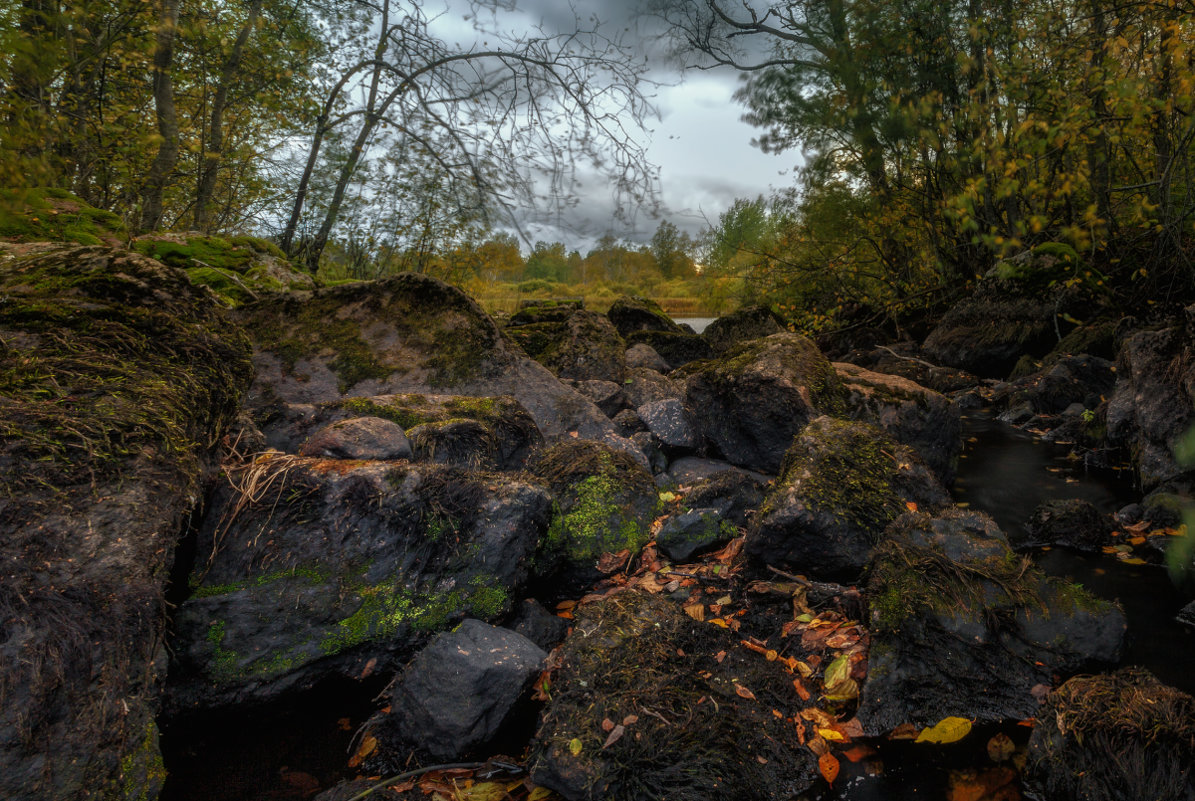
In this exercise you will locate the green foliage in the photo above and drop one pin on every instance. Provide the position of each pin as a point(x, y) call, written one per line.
point(54, 215)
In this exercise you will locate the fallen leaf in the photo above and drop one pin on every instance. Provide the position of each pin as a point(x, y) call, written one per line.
point(344, 724)
point(607, 725)
point(613, 562)
point(743, 692)
point(718, 657)
point(630, 720)
point(947, 730)
point(368, 745)
point(827, 764)
point(833, 735)
point(761, 760)
point(695, 611)
point(818, 746)
point(802, 693)
point(858, 752)
point(615, 734)
point(1138, 540)
point(1133, 560)
point(911, 506)
point(817, 717)
point(905, 731)
point(851, 728)
point(720, 623)
point(539, 794)
point(1001, 747)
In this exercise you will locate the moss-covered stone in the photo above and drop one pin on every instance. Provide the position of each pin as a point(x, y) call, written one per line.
point(839, 486)
point(631, 314)
point(966, 627)
point(117, 378)
point(678, 348)
point(55, 215)
point(605, 504)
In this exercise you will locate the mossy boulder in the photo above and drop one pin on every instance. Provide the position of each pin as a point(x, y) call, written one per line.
point(1113, 736)
point(501, 434)
point(310, 568)
point(630, 314)
point(1072, 523)
point(1081, 379)
point(238, 269)
point(921, 418)
point(754, 399)
point(605, 503)
point(359, 438)
point(582, 346)
point(742, 325)
point(676, 688)
point(117, 378)
point(407, 334)
point(677, 348)
point(961, 626)
point(840, 486)
point(45, 214)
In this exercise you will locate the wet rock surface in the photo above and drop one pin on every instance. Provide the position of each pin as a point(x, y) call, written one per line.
point(1072, 523)
point(359, 438)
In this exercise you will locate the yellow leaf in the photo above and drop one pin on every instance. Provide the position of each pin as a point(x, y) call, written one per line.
point(485, 791)
point(539, 794)
point(831, 734)
point(947, 730)
point(575, 747)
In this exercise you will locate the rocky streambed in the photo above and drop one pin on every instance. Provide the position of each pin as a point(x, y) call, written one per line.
point(590, 556)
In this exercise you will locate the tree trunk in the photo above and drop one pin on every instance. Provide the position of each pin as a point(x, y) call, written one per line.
point(210, 166)
point(167, 156)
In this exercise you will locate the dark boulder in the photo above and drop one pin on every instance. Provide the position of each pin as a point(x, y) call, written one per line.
point(117, 377)
point(1072, 523)
point(314, 568)
point(1017, 309)
point(1186, 615)
point(1151, 407)
point(553, 310)
point(644, 386)
point(694, 530)
point(631, 314)
point(754, 399)
point(359, 438)
point(743, 325)
point(691, 469)
point(686, 706)
point(606, 395)
point(736, 495)
point(677, 348)
point(906, 359)
point(454, 696)
point(408, 333)
point(500, 433)
point(672, 424)
point(1113, 737)
point(538, 624)
point(923, 419)
point(605, 503)
point(1081, 379)
point(645, 356)
point(963, 627)
point(840, 485)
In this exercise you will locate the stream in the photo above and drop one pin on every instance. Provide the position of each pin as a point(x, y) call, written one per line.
point(281, 753)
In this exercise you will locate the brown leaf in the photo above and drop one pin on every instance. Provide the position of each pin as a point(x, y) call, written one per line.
point(905, 731)
point(613, 562)
point(630, 720)
point(858, 752)
point(1001, 747)
point(695, 611)
point(368, 745)
point(615, 734)
point(607, 725)
point(743, 692)
point(801, 691)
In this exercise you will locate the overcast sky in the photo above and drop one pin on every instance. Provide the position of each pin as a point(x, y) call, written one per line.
point(701, 146)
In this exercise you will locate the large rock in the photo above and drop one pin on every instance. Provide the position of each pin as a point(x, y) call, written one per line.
point(313, 568)
point(583, 346)
point(923, 419)
point(1151, 407)
point(743, 325)
point(687, 703)
point(752, 401)
point(116, 377)
point(455, 695)
point(408, 333)
point(359, 438)
point(672, 424)
point(644, 386)
point(841, 484)
point(1014, 311)
point(1112, 737)
point(1081, 379)
point(1072, 523)
point(963, 627)
point(238, 269)
point(631, 314)
point(677, 348)
point(498, 433)
point(605, 503)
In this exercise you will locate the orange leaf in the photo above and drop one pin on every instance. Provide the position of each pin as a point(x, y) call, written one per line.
point(911, 506)
point(743, 692)
point(905, 731)
point(828, 765)
point(607, 725)
point(368, 745)
point(858, 752)
point(801, 691)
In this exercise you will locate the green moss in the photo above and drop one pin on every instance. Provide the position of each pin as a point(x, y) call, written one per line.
point(847, 469)
point(142, 771)
point(311, 575)
point(55, 215)
point(596, 524)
